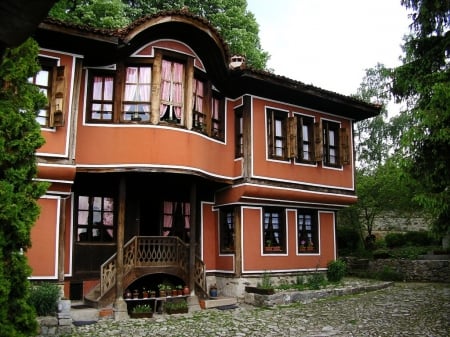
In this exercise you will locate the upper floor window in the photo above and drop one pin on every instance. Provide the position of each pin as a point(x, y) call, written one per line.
point(43, 79)
point(136, 98)
point(217, 117)
point(239, 133)
point(276, 134)
point(198, 115)
point(274, 231)
point(227, 231)
point(95, 219)
point(330, 143)
point(101, 98)
point(305, 138)
point(307, 232)
point(172, 91)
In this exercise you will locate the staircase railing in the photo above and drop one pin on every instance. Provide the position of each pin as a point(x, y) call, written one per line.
point(152, 251)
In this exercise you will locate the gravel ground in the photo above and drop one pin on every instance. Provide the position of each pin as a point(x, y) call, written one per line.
point(403, 309)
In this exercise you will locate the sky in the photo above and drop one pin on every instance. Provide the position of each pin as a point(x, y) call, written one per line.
point(330, 43)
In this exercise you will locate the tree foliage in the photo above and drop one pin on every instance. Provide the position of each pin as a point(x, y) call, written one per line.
point(20, 136)
point(424, 80)
point(237, 26)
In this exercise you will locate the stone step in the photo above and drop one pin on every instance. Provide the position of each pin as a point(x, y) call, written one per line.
point(84, 314)
point(216, 302)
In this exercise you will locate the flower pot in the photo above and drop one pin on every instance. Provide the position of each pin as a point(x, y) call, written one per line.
point(141, 315)
point(186, 290)
point(213, 292)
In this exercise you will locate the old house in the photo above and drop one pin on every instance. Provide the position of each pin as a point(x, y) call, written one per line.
point(169, 159)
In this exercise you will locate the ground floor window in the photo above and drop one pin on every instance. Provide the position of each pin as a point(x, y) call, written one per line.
point(95, 219)
point(227, 231)
point(307, 231)
point(274, 231)
point(176, 219)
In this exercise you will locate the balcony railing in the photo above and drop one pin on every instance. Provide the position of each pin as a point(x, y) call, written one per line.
point(152, 251)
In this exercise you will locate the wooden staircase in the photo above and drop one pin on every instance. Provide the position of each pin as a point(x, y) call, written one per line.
point(144, 255)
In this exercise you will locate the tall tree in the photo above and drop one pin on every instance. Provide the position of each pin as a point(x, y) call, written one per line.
point(20, 136)
point(237, 26)
point(424, 80)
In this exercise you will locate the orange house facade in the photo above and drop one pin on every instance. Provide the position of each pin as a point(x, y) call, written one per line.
point(168, 158)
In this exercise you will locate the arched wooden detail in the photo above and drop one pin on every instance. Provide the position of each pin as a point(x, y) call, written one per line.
point(145, 255)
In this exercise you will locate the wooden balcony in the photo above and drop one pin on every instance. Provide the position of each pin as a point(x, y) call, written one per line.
point(151, 254)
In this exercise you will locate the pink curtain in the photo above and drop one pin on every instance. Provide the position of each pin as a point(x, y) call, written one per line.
point(198, 95)
point(171, 87)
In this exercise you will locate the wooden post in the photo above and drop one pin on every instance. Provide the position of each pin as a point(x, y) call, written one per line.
point(120, 304)
point(193, 236)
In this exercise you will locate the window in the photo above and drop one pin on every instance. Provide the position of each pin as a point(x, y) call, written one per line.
point(307, 232)
point(95, 220)
point(273, 231)
point(136, 103)
point(239, 133)
point(276, 134)
point(330, 143)
point(101, 98)
point(172, 92)
point(227, 231)
point(305, 138)
point(217, 117)
point(43, 79)
point(176, 219)
point(199, 117)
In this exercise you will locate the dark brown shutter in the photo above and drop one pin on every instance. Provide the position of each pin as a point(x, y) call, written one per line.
point(58, 97)
point(318, 142)
point(292, 137)
point(344, 148)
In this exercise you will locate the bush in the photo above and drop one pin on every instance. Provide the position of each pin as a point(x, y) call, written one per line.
point(336, 270)
point(387, 274)
point(394, 240)
point(44, 298)
point(316, 281)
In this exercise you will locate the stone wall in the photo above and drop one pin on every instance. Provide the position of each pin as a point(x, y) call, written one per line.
point(61, 324)
point(415, 270)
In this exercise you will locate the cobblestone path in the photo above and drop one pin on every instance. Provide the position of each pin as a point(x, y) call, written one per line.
point(403, 309)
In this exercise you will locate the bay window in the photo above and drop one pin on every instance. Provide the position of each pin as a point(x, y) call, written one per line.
point(136, 98)
point(172, 91)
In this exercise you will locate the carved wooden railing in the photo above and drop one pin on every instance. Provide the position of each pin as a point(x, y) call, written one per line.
point(152, 251)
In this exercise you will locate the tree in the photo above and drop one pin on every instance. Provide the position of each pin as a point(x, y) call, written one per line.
point(381, 183)
point(237, 26)
point(20, 136)
point(424, 81)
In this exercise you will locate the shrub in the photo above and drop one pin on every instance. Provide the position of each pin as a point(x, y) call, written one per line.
point(387, 274)
point(336, 270)
point(316, 281)
point(44, 298)
point(394, 240)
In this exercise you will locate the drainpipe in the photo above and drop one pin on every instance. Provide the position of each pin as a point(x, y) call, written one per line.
point(120, 306)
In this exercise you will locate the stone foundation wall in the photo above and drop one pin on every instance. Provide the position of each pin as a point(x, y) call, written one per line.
point(54, 326)
point(415, 270)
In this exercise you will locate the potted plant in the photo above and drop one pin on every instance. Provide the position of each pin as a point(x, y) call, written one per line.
point(186, 290)
point(135, 293)
point(176, 307)
point(141, 311)
point(144, 293)
point(213, 290)
point(265, 287)
point(163, 290)
point(179, 290)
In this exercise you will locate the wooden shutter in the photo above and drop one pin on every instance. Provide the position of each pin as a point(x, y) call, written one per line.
point(58, 97)
point(292, 137)
point(318, 142)
point(344, 147)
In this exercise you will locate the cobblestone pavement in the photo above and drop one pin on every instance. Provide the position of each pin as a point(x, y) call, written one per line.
point(403, 309)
